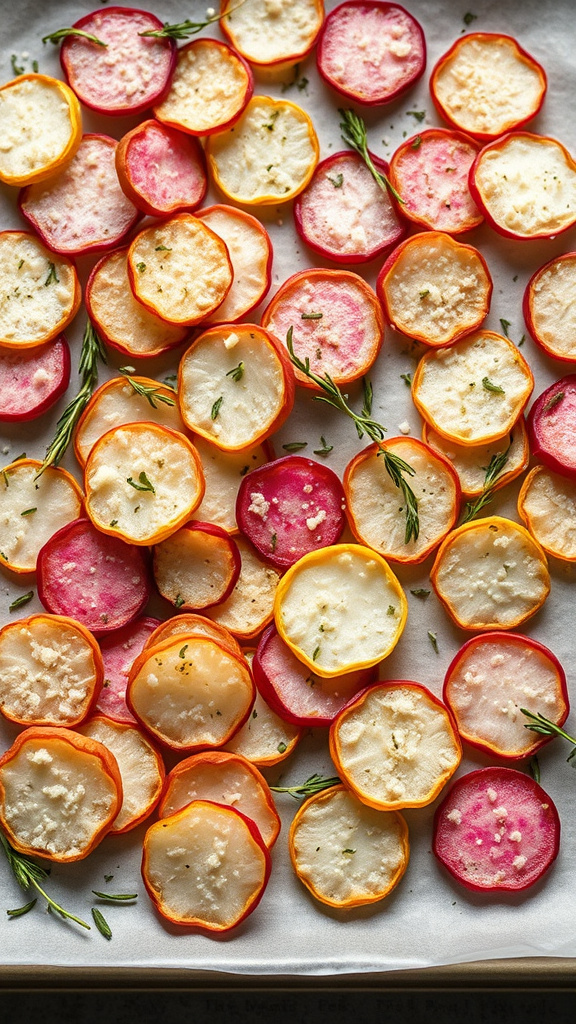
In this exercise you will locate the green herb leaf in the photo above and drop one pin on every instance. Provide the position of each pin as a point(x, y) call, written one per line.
point(295, 446)
point(494, 388)
point(63, 33)
point(151, 394)
point(179, 601)
point(553, 401)
point(368, 394)
point(316, 653)
point(407, 378)
point(391, 610)
point(116, 897)
point(162, 248)
point(433, 640)
point(325, 449)
point(534, 768)
point(312, 316)
point(338, 181)
point(416, 142)
point(143, 485)
point(101, 923)
point(17, 69)
point(28, 511)
point(469, 18)
point(216, 407)
point(492, 472)
point(418, 115)
point(282, 748)
point(505, 324)
point(349, 851)
point(315, 784)
point(273, 542)
point(538, 723)
point(237, 373)
point(354, 134)
point(19, 602)
point(421, 593)
point(182, 651)
point(20, 911)
point(52, 275)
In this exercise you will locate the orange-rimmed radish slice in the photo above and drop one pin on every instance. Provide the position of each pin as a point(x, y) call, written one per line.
point(548, 307)
point(81, 209)
point(250, 606)
point(345, 853)
point(190, 692)
point(222, 778)
point(471, 462)
point(31, 382)
point(41, 126)
point(32, 509)
point(196, 567)
point(43, 290)
point(140, 764)
point(435, 289)
point(122, 321)
point(143, 481)
point(395, 746)
point(268, 157)
point(474, 391)
point(490, 574)
point(250, 251)
point(205, 866)
point(195, 625)
point(99, 581)
point(340, 609)
point(161, 170)
point(271, 35)
point(336, 322)
point(209, 89)
point(59, 793)
point(51, 671)
point(265, 739)
point(119, 651)
point(224, 472)
point(486, 84)
point(159, 269)
point(547, 504)
point(372, 499)
point(235, 386)
point(491, 678)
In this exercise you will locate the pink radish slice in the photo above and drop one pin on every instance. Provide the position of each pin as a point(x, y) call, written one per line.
point(119, 651)
point(497, 830)
point(32, 380)
point(552, 426)
point(296, 694)
point(98, 580)
point(344, 215)
point(370, 51)
point(127, 76)
point(161, 170)
point(290, 507)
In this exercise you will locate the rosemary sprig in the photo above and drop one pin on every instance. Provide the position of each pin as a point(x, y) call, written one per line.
point(151, 394)
point(314, 784)
point(492, 472)
point(545, 727)
point(187, 28)
point(63, 33)
point(354, 134)
point(27, 873)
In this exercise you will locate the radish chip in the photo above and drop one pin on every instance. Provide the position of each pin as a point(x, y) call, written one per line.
point(32, 509)
point(251, 604)
point(195, 625)
point(224, 472)
point(41, 128)
point(270, 35)
point(548, 307)
point(32, 381)
point(552, 426)
point(161, 170)
point(43, 290)
point(119, 651)
point(265, 738)
point(250, 251)
point(547, 504)
point(197, 567)
point(471, 462)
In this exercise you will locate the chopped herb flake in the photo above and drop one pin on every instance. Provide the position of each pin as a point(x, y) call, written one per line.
point(182, 651)
point(52, 275)
point(295, 446)
point(338, 181)
point(282, 748)
point(140, 267)
point(216, 407)
point(144, 484)
point(28, 511)
point(391, 610)
point(325, 449)
point(554, 400)
point(237, 372)
point(316, 653)
point(419, 115)
point(421, 593)
point(416, 142)
point(469, 18)
point(433, 640)
point(407, 378)
point(101, 923)
point(21, 601)
point(505, 324)
point(179, 601)
point(312, 316)
point(494, 388)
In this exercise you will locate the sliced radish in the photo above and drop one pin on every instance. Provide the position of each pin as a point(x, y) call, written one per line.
point(371, 52)
point(195, 625)
point(32, 509)
point(265, 739)
point(497, 830)
point(42, 287)
point(31, 382)
point(547, 504)
point(224, 472)
point(471, 462)
point(41, 126)
point(548, 307)
point(97, 580)
point(552, 426)
point(161, 170)
point(269, 35)
point(250, 251)
point(197, 567)
point(119, 651)
point(81, 209)
point(251, 604)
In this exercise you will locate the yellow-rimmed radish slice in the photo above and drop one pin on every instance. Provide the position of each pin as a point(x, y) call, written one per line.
point(549, 304)
point(179, 269)
point(340, 609)
point(59, 793)
point(224, 472)
point(40, 291)
point(51, 671)
point(190, 692)
point(490, 574)
point(223, 778)
point(372, 499)
point(235, 386)
point(251, 604)
point(41, 128)
point(547, 504)
point(197, 567)
point(268, 157)
point(140, 764)
point(32, 509)
point(194, 625)
point(265, 739)
point(345, 853)
point(271, 35)
point(205, 866)
point(250, 251)
point(161, 170)
point(395, 746)
point(471, 462)
point(474, 391)
point(143, 481)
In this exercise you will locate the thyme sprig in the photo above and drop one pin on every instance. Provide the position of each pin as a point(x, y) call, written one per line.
point(27, 873)
point(545, 727)
point(492, 472)
point(184, 29)
point(151, 394)
point(354, 134)
point(315, 784)
point(63, 33)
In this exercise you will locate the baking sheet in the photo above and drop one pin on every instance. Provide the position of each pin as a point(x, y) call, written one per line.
point(428, 920)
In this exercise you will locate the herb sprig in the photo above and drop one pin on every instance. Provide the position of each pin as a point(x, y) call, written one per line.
point(151, 394)
point(63, 33)
point(545, 727)
point(27, 873)
point(492, 472)
point(315, 784)
point(354, 134)
point(184, 29)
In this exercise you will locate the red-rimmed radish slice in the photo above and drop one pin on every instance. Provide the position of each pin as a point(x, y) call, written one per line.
point(395, 746)
point(251, 604)
point(371, 52)
point(435, 289)
point(31, 382)
point(250, 251)
point(548, 307)
point(51, 671)
point(372, 499)
point(486, 84)
point(41, 126)
point(210, 88)
point(223, 778)
point(81, 209)
point(32, 509)
point(161, 170)
point(119, 651)
point(43, 289)
point(345, 853)
point(130, 73)
point(265, 739)
point(547, 504)
point(537, 168)
point(552, 426)
point(494, 675)
point(59, 793)
point(268, 157)
point(343, 215)
point(195, 625)
point(269, 35)
point(496, 831)
point(471, 462)
point(197, 567)
point(289, 507)
point(294, 692)
point(336, 322)
point(235, 386)
point(99, 581)
point(190, 692)
point(474, 391)
point(490, 574)
point(178, 866)
point(141, 769)
point(143, 481)
point(430, 171)
point(224, 472)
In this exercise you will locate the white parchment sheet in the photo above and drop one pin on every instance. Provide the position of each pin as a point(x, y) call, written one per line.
point(428, 920)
